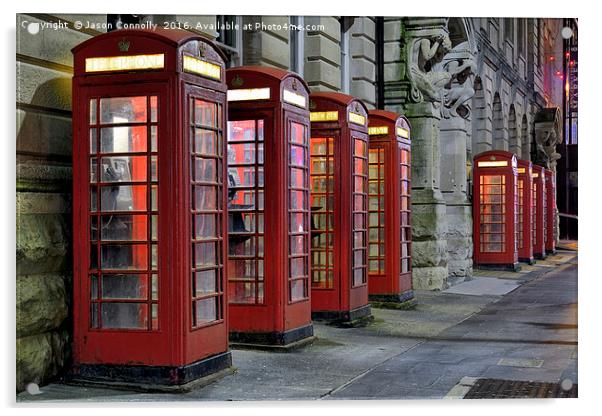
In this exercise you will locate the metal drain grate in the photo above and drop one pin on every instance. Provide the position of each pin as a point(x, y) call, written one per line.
point(489, 388)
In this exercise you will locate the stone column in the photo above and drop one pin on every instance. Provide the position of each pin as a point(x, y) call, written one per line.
point(458, 218)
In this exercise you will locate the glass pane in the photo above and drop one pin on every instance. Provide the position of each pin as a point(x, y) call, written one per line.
point(154, 138)
point(154, 169)
point(124, 315)
point(153, 109)
point(205, 254)
point(297, 290)
point(297, 133)
point(204, 170)
point(127, 139)
point(94, 315)
point(205, 198)
point(123, 198)
point(298, 245)
point(93, 111)
point(205, 142)
point(205, 282)
point(206, 310)
point(298, 178)
point(244, 247)
point(124, 256)
point(298, 267)
point(93, 287)
point(154, 286)
point(123, 110)
point(93, 170)
point(123, 169)
point(124, 227)
point(241, 130)
point(242, 269)
point(205, 113)
point(205, 226)
point(297, 155)
point(124, 286)
point(92, 141)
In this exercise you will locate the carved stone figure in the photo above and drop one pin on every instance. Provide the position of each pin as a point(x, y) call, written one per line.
point(547, 136)
point(460, 64)
point(427, 79)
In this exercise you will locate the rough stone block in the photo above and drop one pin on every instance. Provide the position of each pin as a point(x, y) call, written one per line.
point(392, 30)
point(319, 47)
point(327, 25)
point(362, 68)
point(364, 26)
point(429, 253)
point(392, 71)
point(41, 303)
point(364, 90)
point(40, 357)
point(43, 242)
point(43, 87)
point(429, 278)
point(274, 50)
point(42, 133)
point(362, 47)
point(322, 73)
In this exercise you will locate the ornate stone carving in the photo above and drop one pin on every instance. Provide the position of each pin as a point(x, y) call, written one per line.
point(461, 66)
point(548, 133)
point(426, 76)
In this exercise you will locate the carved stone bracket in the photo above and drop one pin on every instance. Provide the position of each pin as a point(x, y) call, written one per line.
point(548, 133)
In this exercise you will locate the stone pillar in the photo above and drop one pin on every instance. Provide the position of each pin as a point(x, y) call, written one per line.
point(266, 45)
point(454, 136)
point(363, 60)
point(323, 54)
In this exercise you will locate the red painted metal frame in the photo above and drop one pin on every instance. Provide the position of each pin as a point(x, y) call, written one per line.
point(550, 211)
point(278, 319)
point(175, 343)
point(540, 203)
point(343, 301)
point(392, 284)
point(507, 256)
point(525, 242)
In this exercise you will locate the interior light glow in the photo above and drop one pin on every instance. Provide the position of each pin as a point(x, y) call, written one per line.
point(324, 116)
point(378, 130)
point(492, 163)
point(294, 98)
point(249, 94)
point(357, 118)
point(200, 67)
point(125, 63)
point(401, 132)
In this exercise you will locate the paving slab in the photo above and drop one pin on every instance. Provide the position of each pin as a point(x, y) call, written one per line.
point(480, 286)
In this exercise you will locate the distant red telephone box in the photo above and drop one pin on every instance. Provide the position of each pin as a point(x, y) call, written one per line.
point(495, 209)
point(525, 211)
point(149, 208)
point(550, 211)
point(539, 212)
point(339, 205)
point(269, 222)
point(389, 227)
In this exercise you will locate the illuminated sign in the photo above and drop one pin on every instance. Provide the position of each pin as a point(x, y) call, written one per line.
point(125, 63)
point(521, 170)
point(357, 119)
point(401, 132)
point(378, 131)
point(200, 67)
point(324, 116)
point(492, 163)
point(536, 175)
point(250, 94)
point(294, 98)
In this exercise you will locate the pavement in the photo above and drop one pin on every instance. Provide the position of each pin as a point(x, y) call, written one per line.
point(500, 325)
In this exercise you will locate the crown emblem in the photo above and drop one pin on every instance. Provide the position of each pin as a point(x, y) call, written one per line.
point(294, 84)
point(312, 104)
point(124, 45)
point(202, 50)
point(492, 158)
point(357, 108)
point(237, 81)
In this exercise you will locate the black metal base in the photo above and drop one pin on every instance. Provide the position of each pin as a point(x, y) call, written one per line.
point(397, 297)
point(152, 378)
point(530, 261)
point(356, 317)
point(513, 267)
point(551, 252)
point(540, 256)
point(275, 339)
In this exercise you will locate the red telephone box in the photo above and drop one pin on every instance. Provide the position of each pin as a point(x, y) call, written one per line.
point(539, 212)
point(550, 211)
point(525, 211)
point(149, 208)
point(269, 222)
point(339, 205)
point(389, 227)
point(495, 210)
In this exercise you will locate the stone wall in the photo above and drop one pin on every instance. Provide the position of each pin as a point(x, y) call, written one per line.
point(43, 251)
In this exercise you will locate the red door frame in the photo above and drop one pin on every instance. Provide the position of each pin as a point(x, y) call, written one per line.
point(550, 211)
point(525, 174)
point(539, 184)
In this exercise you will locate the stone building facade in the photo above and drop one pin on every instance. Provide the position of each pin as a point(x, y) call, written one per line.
point(467, 85)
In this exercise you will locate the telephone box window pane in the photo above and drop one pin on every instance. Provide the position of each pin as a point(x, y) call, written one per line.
point(205, 198)
point(94, 315)
point(123, 169)
point(93, 170)
point(126, 139)
point(153, 138)
point(124, 286)
point(298, 245)
point(123, 227)
point(242, 269)
point(93, 111)
point(298, 267)
point(298, 178)
point(155, 316)
point(244, 247)
point(153, 109)
point(123, 198)
point(92, 141)
point(206, 310)
point(154, 286)
point(492, 208)
point(204, 170)
point(123, 110)
point(124, 256)
point(297, 290)
point(205, 142)
point(154, 169)
point(205, 254)
point(205, 282)
point(93, 287)
point(297, 155)
point(93, 256)
point(205, 113)
point(243, 130)
point(118, 315)
point(205, 226)
point(298, 200)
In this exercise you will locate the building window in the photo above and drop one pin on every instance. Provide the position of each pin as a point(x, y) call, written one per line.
point(230, 40)
point(297, 45)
